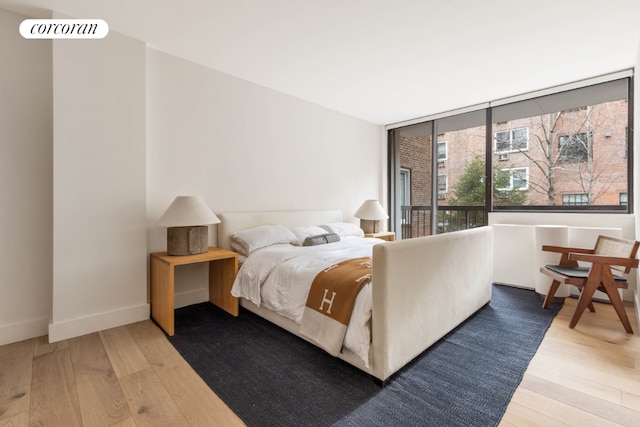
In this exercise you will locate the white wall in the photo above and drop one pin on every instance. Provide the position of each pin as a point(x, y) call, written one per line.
point(242, 147)
point(624, 222)
point(25, 183)
point(99, 181)
point(98, 139)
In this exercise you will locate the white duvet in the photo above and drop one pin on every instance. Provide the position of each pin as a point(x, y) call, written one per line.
point(279, 277)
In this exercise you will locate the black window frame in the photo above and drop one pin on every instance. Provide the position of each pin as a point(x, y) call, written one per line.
point(491, 151)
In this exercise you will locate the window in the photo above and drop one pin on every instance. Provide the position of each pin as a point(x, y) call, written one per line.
point(623, 198)
point(573, 148)
point(442, 151)
point(405, 187)
point(577, 145)
point(512, 140)
point(517, 179)
point(442, 184)
point(562, 149)
point(411, 154)
point(575, 199)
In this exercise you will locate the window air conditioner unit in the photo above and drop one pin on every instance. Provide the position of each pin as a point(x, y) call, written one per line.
point(440, 163)
point(442, 196)
point(503, 157)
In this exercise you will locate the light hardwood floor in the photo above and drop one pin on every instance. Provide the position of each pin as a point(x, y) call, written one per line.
point(587, 376)
point(132, 376)
point(127, 376)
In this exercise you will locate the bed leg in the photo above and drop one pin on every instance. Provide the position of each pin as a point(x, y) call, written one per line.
point(380, 383)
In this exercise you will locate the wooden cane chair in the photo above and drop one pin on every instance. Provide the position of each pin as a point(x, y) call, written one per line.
point(608, 254)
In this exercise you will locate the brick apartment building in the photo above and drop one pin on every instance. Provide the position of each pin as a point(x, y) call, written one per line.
point(575, 157)
point(583, 149)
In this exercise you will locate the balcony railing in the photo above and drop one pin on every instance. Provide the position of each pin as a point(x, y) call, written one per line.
point(416, 220)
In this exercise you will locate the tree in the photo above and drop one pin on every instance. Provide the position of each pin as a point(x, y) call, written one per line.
point(565, 140)
point(469, 190)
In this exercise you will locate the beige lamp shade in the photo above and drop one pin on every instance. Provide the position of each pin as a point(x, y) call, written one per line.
point(372, 210)
point(187, 219)
point(186, 211)
point(370, 214)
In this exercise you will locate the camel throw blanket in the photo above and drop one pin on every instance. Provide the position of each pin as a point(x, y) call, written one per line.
point(330, 302)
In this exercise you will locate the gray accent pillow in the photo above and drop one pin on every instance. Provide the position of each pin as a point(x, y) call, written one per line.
point(321, 239)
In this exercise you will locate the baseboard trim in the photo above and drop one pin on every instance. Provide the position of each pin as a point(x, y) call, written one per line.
point(23, 330)
point(86, 325)
point(196, 296)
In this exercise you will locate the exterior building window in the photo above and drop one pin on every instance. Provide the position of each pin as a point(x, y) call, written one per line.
point(575, 199)
point(442, 151)
point(518, 179)
point(573, 148)
point(623, 199)
point(442, 154)
point(512, 140)
point(442, 183)
point(405, 187)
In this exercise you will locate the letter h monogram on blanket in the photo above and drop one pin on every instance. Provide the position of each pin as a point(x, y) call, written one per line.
point(330, 302)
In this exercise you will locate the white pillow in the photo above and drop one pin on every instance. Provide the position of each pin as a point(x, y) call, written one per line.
point(306, 231)
point(344, 229)
point(246, 241)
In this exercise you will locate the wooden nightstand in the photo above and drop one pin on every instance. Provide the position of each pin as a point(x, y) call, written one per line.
point(389, 236)
point(223, 267)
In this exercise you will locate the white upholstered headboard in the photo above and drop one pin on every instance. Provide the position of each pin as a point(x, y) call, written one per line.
point(234, 221)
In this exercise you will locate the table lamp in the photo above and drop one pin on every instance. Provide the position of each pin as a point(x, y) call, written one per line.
point(370, 214)
point(187, 219)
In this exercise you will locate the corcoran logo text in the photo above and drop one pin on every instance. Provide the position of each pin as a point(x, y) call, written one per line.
point(64, 29)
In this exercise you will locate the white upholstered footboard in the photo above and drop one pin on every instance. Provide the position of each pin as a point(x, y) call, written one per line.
point(422, 288)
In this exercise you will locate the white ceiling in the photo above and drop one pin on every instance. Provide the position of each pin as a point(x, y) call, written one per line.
point(383, 61)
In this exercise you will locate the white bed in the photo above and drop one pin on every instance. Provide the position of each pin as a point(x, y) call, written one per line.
point(421, 288)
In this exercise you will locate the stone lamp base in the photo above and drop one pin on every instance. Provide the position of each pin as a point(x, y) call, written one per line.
point(187, 240)
point(370, 225)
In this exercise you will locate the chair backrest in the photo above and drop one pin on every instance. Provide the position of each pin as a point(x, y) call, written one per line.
point(620, 248)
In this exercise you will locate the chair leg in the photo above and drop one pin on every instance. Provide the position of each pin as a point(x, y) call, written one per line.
point(552, 292)
point(583, 301)
point(590, 306)
point(614, 297)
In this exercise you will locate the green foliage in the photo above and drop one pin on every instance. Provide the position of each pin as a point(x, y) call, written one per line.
point(469, 191)
point(513, 197)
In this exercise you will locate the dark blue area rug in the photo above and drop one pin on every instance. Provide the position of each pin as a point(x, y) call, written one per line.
point(272, 378)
